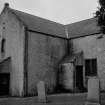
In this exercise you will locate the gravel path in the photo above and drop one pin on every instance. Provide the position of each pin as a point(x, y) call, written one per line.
point(65, 99)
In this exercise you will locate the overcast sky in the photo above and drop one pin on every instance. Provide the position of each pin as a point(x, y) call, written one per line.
point(62, 11)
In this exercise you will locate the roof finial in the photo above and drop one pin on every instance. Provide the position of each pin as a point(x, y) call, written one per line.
point(6, 5)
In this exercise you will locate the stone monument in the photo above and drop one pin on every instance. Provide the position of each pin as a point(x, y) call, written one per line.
point(41, 92)
point(93, 96)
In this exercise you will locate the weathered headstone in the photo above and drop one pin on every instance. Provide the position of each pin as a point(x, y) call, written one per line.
point(93, 97)
point(41, 92)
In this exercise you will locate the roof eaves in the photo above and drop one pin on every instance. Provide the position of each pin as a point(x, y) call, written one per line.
point(2, 61)
point(45, 34)
point(84, 35)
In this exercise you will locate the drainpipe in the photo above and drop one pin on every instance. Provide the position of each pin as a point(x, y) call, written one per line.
point(67, 35)
point(26, 62)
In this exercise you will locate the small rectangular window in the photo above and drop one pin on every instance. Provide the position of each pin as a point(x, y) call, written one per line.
point(91, 67)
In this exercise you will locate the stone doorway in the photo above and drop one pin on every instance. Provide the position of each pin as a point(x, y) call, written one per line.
point(79, 78)
point(4, 84)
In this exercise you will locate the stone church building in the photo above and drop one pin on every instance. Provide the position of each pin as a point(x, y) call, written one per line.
point(34, 49)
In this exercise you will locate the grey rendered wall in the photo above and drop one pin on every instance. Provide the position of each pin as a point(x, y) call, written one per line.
point(44, 55)
point(13, 32)
point(92, 47)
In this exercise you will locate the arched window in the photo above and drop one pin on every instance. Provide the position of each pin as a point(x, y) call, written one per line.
point(3, 45)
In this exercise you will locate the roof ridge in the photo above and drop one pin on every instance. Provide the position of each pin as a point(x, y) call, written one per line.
point(81, 21)
point(36, 16)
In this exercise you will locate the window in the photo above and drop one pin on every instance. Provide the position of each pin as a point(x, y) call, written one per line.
point(3, 46)
point(91, 67)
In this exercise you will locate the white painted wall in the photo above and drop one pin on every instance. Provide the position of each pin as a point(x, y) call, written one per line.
point(14, 35)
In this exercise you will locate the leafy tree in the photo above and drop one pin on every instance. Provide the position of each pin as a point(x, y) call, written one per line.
point(100, 14)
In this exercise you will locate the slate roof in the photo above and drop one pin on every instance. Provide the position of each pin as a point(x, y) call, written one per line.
point(38, 24)
point(5, 60)
point(79, 29)
point(83, 28)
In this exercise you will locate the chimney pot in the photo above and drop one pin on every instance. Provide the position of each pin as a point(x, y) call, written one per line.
point(6, 4)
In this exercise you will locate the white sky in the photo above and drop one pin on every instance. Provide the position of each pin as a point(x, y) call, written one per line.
point(62, 11)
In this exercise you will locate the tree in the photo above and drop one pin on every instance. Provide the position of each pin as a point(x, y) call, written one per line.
point(100, 14)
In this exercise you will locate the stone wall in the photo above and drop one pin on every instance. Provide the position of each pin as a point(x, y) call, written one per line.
point(44, 56)
point(92, 47)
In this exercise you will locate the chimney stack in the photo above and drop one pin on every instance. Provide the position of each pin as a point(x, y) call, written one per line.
point(6, 5)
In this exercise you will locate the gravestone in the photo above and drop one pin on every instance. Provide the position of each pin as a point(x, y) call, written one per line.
point(41, 92)
point(93, 97)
